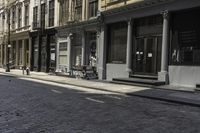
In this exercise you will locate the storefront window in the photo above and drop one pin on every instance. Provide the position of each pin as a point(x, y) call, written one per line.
point(76, 49)
point(77, 56)
point(63, 53)
point(13, 52)
point(35, 52)
point(43, 53)
point(91, 55)
point(52, 52)
point(186, 38)
point(117, 43)
point(27, 52)
point(20, 53)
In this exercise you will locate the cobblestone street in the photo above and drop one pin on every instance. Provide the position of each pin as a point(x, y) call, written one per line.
point(30, 106)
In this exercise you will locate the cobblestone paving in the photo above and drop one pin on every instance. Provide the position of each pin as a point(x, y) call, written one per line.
point(32, 107)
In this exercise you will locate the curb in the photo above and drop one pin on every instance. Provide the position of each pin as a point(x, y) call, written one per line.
point(183, 102)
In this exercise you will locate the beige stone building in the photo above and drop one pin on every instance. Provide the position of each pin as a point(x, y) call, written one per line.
point(16, 21)
point(3, 31)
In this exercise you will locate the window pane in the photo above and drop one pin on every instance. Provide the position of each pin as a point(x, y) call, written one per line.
point(117, 43)
point(93, 7)
point(63, 59)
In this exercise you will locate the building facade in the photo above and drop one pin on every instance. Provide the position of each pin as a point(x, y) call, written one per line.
point(77, 35)
point(156, 39)
point(3, 32)
point(42, 35)
point(15, 22)
point(151, 38)
point(20, 25)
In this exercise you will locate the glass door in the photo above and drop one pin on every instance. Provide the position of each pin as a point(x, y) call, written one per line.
point(147, 55)
point(139, 62)
point(43, 55)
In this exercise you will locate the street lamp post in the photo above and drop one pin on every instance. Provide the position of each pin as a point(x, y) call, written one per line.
point(8, 41)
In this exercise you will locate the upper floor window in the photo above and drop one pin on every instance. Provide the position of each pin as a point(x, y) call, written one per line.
point(35, 16)
point(13, 17)
point(19, 17)
point(43, 8)
point(93, 7)
point(78, 10)
point(51, 13)
point(26, 15)
point(64, 11)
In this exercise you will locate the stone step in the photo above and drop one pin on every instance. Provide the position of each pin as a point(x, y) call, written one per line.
point(132, 84)
point(134, 81)
point(144, 76)
point(198, 86)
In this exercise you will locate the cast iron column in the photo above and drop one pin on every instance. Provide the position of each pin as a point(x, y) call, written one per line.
point(102, 51)
point(70, 52)
point(129, 47)
point(83, 49)
point(163, 75)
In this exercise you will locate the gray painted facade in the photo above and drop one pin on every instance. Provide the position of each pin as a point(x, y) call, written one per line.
point(175, 75)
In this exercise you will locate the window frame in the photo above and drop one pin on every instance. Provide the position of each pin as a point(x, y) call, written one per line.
point(78, 10)
point(110, 42)
point(19, 17)
point(13, 17)
point(42, 13)
point(63, 55)
point(35, 17)
point(51, 12)
point(26, 14)
point(183, 53)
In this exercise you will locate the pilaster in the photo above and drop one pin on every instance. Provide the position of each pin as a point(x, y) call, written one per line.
point(69, 52)
point(102, 52)
point(17, 53)
point(83, 9)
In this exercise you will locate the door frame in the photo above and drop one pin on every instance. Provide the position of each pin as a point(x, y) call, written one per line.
point(155, 37)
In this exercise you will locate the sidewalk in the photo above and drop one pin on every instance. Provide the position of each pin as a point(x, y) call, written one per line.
point(181, 95)
point(116, 88)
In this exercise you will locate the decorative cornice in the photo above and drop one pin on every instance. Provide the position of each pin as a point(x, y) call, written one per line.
point(78, 24)
point(26, 2)
point(136, 6)
point(165, 14)
point(19, 4)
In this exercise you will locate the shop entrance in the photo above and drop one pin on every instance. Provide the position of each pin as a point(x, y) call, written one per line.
point(148, 55)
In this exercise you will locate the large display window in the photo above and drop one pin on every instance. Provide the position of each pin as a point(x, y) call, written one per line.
point(185, 48)
point(117, 43)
